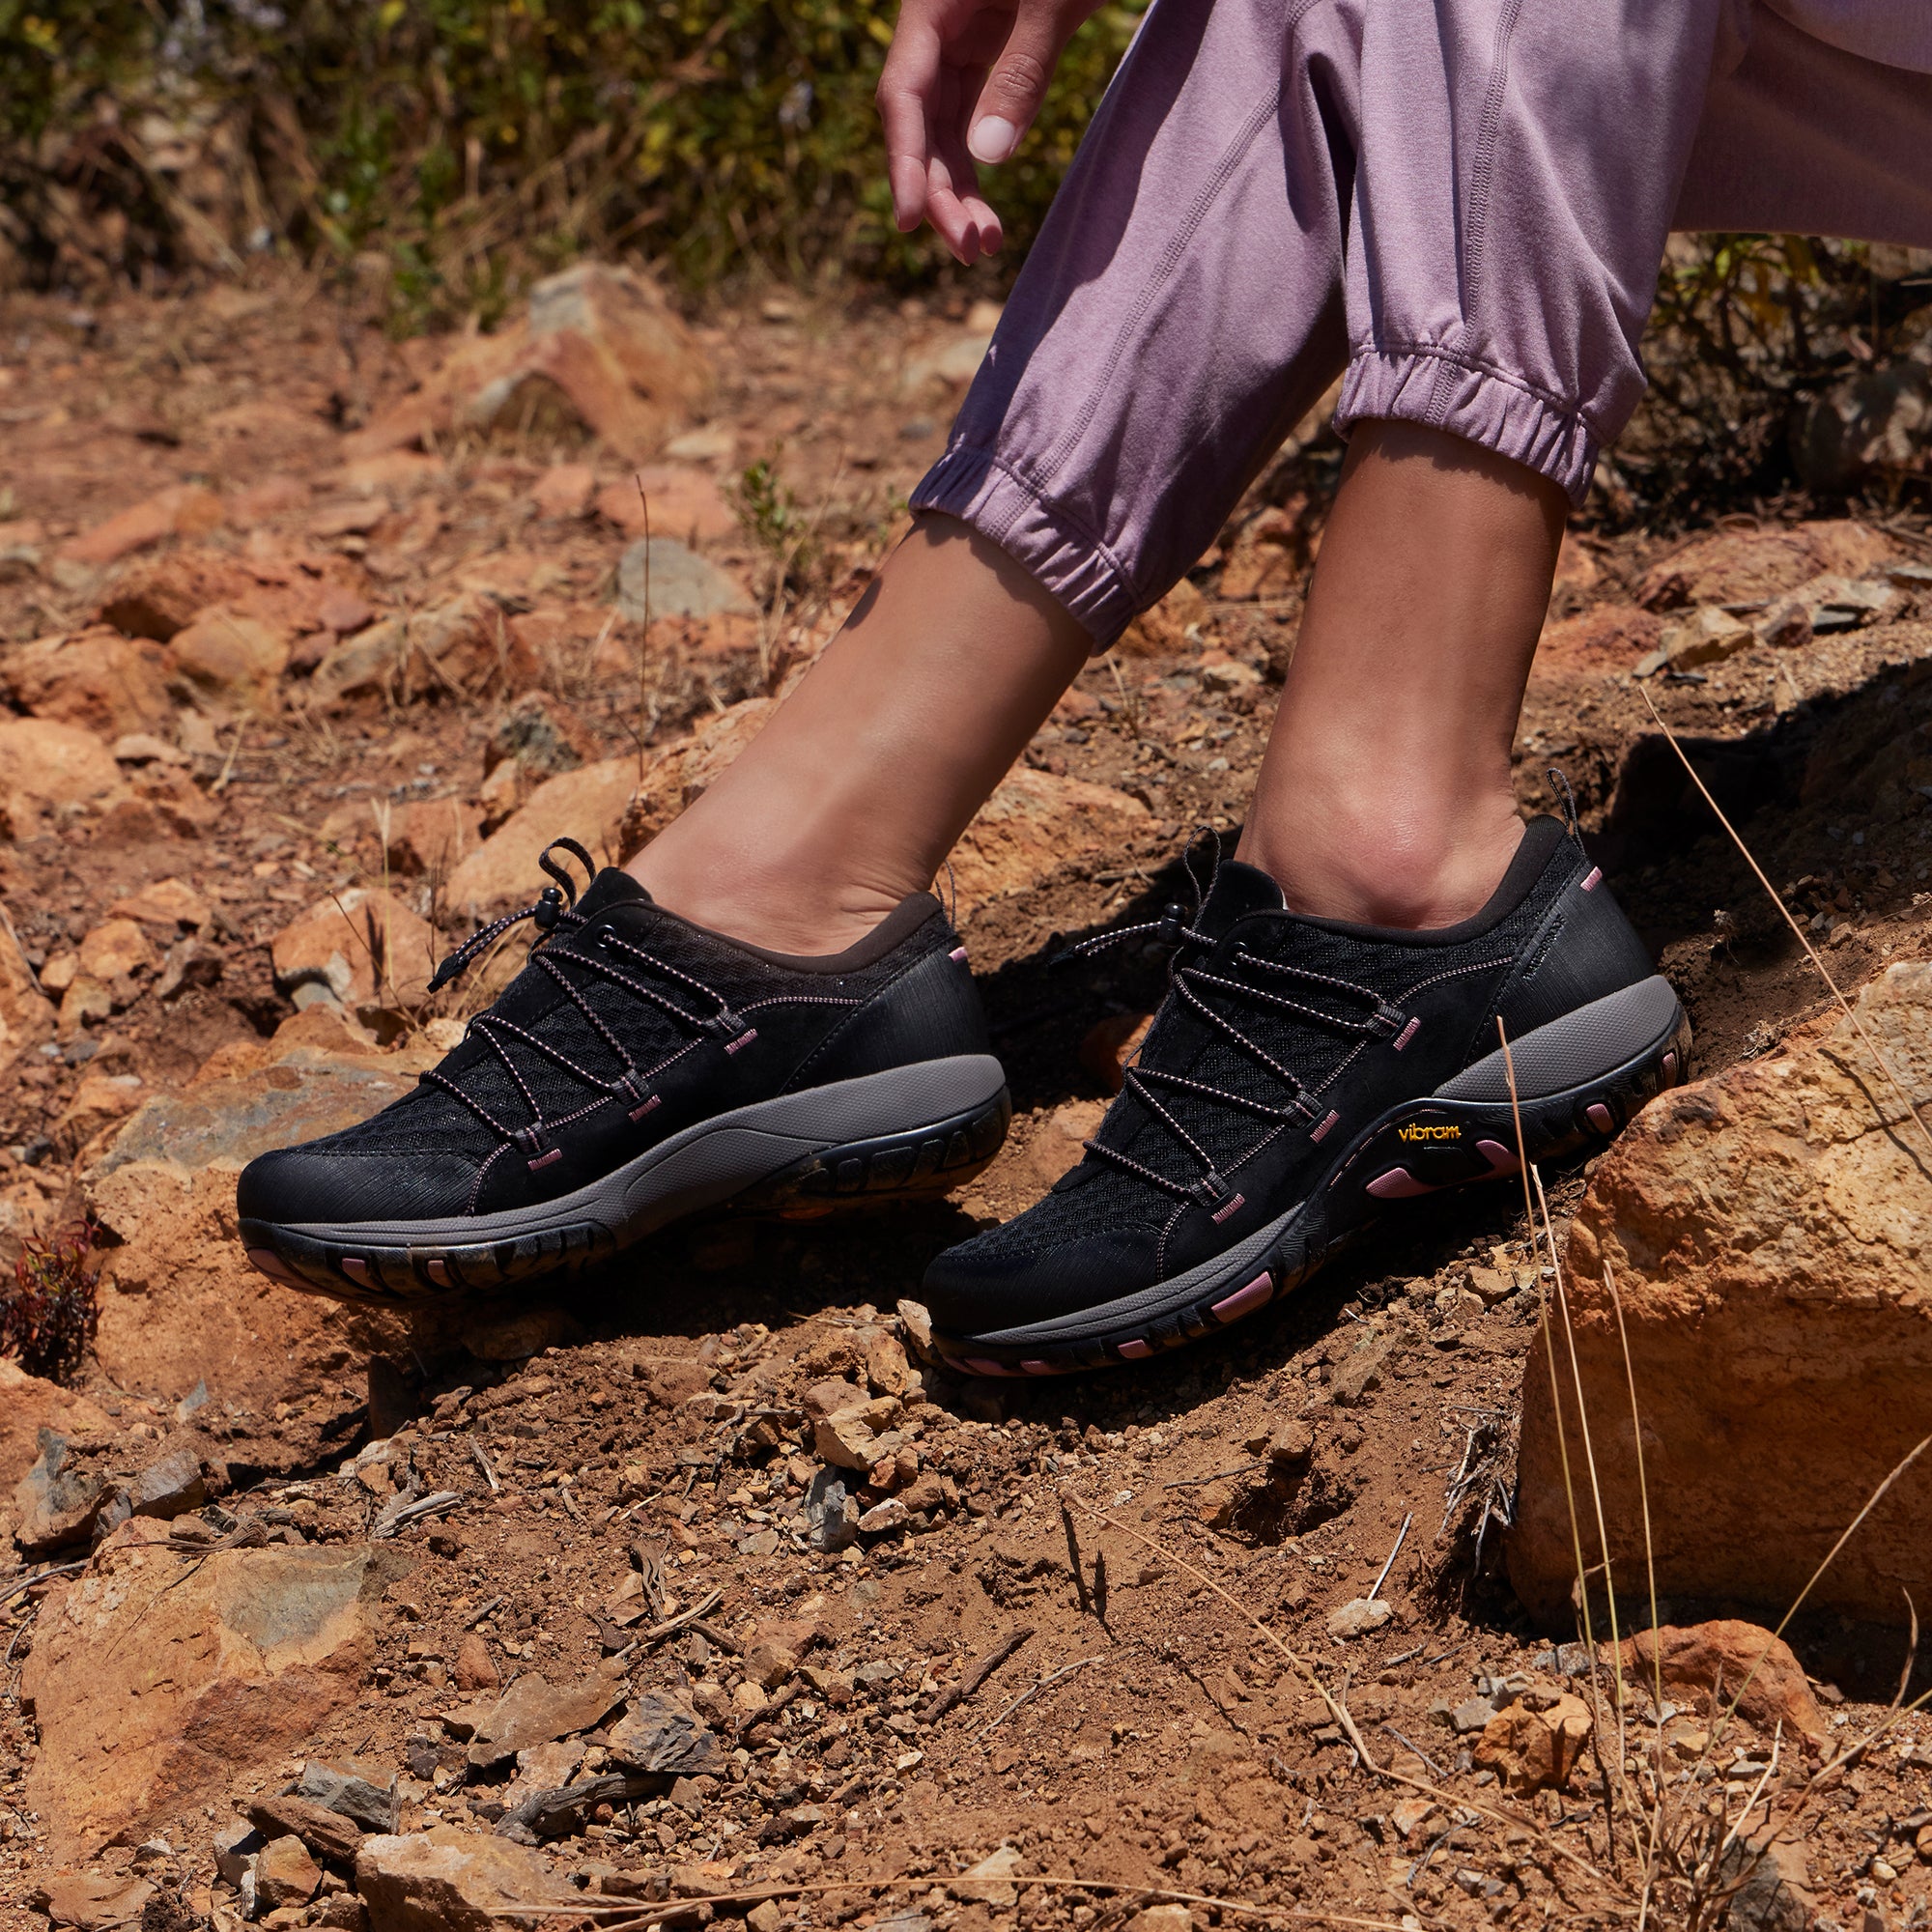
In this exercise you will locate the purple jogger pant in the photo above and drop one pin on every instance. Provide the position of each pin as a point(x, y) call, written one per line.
point(1459, 206)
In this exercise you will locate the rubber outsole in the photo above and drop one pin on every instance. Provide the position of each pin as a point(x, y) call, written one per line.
point(1462, 1142)
point(393, 1264)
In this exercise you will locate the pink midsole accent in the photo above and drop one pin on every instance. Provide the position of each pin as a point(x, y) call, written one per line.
point(1595, 879)
point(438, 1273)
point(275, 1267)
point(1037, 1368)
point(1136, 1351)
point(1601, 1117)
point(980, 1365)
point(1502, 1159)
point(1398, 1184)
point(1245, 1301)
point(356, 1268)
point(958, 952)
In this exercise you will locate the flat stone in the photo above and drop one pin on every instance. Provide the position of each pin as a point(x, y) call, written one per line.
point(186, 509)
point(358, 1799)
point(166, 902)
point(533, 1711)
point(93, 1901)
point(285, 1874)
point(157, 1681)
point(682, 583)
point(1359, 1616)
point(661, 1733)
point(990, 1882)
point(326, 1834)
point(446, 1880)
point(361, 948)
point(168, 1488)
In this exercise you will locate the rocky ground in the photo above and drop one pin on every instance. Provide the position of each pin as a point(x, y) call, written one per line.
point(690, 1590)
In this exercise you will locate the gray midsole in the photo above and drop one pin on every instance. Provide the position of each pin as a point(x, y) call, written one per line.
point(1581, 1045)
point(713, 1159)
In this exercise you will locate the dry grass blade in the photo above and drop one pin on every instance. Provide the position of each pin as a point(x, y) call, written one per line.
point(1884, 1065)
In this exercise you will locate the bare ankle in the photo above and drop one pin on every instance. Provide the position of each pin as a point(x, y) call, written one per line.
point(792, 910)
point(1409, 871)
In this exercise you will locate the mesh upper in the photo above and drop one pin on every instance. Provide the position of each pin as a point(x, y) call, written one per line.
point(1114, 1200)
point(433, 1122)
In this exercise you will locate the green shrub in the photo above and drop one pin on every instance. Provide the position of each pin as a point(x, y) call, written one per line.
point(475, 142)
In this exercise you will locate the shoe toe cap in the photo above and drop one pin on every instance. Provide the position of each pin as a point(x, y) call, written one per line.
point(320, 1184)
point(984, 1288)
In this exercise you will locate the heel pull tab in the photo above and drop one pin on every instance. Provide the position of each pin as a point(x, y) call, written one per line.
point(1560, 784)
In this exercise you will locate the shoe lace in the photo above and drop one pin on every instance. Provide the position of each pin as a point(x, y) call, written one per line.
point(1189, 981)
point(554, 911)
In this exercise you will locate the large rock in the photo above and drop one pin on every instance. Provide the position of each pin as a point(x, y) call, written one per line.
point(1769, 1237)
point(444, 1880)
point(162, 595)
point(1035, 823)
point(599, 350)
point(1754, 566)
point(157, 1679)
point(99, 680)
point(682, 773)
point(460, 645)
point(586, 805)
point(362, 948)
point(179, 1301)
point(46, 766)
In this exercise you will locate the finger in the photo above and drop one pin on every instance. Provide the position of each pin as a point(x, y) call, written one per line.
point(907, 86)
point(959, 91)
point(1016, 85)
point(947, 211)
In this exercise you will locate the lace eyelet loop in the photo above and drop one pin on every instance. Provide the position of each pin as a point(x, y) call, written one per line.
point(1210, 1191)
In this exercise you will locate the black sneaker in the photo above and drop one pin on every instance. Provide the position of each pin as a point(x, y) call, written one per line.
point(1300, 1073)
point(641, 1069)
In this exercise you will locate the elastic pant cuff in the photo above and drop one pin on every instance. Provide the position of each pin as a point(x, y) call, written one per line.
point(1439, 389)
point(1070, 561)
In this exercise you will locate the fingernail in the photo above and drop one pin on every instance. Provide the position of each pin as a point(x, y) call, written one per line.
point(992, 139)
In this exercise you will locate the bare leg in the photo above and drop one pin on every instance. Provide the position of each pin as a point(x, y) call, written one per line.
point(854, 793)
point(1384, 795)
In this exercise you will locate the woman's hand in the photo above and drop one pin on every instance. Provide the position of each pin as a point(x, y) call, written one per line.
point(962, 83)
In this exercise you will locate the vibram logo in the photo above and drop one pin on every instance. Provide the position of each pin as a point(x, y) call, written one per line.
point(1416, 1131)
